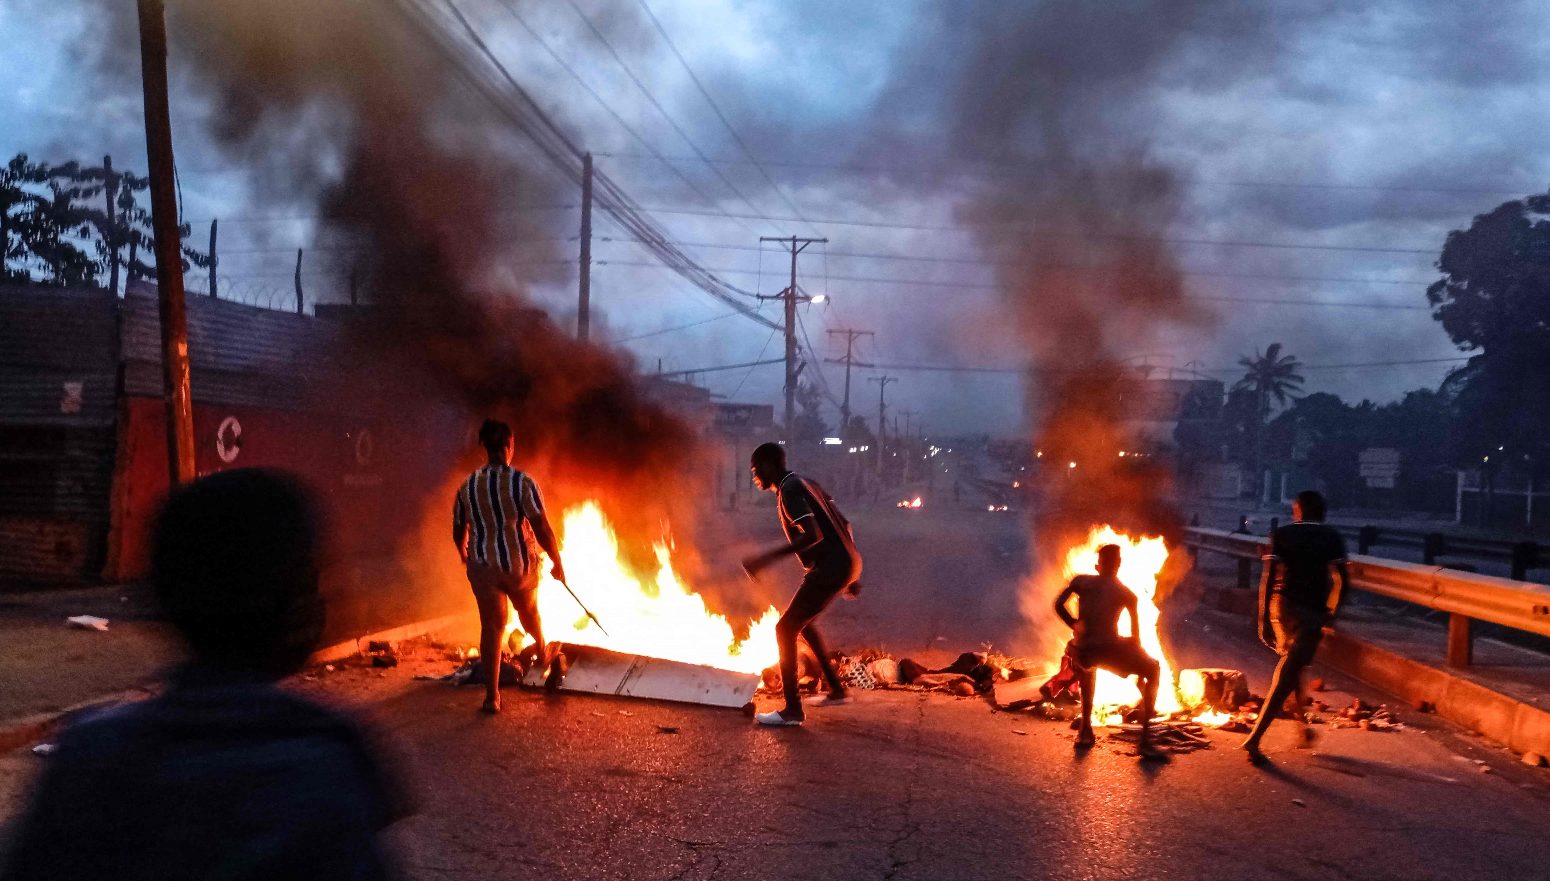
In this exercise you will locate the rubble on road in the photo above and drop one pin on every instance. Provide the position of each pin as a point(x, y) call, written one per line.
point(87, 622)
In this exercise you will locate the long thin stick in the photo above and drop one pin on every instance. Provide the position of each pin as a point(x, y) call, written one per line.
point(584, 608)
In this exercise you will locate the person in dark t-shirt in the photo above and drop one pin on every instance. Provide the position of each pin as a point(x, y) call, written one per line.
point(820, 537)
point(1304, 581)
point(1101, 600)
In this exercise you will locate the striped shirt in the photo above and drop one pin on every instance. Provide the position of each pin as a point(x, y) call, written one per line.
point(494, 506)
point(802, 501)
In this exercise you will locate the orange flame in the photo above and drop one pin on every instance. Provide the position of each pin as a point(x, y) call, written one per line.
point(909, 503)
point(660, 617)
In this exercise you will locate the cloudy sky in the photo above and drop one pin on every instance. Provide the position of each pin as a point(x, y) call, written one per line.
point(1320, 152)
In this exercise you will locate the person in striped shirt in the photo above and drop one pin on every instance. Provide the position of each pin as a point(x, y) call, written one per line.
point(498, 525)
point(820, 538)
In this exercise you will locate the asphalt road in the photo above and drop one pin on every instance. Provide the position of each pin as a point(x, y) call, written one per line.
point(905, 785)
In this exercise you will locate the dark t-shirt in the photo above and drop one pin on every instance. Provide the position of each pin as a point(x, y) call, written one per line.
point(217, 778)
point(1306, 551)
point(804, 504)
point(1100, 603)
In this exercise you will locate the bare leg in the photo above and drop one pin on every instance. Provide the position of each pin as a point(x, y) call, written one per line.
point(1148, 684)
point(1087, 680)
point(1287, 680)
point(526, 604)
point(492, 626)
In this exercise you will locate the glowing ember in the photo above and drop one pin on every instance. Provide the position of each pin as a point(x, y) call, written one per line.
point(909, 503)
point(658, 617)
point(1141, 561)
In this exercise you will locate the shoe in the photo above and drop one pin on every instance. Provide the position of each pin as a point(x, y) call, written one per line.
point(1086, 740)
point(1307, 737)
point(778, 718)
point(490, 708)
point(829, 700)
point(1256, 757)
point(1149, 752)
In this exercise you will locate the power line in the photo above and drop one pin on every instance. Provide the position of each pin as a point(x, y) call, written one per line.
point(1030, 370)
point(676, 328)
point(629, 129)
point(705, 93)
point(968, 229)
point(720, 367)
point(529, 118)
point(914, 282)
point(660, 109)
point(980, 261)
point(1211, 182)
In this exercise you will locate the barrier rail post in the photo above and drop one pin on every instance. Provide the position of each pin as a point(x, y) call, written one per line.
point(1432, 547)
point(1461, 644)
point(1525, 556)
point(1366, 537)
point(1245, 573)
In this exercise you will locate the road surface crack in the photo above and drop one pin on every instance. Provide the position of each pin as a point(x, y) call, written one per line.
point(908, 827)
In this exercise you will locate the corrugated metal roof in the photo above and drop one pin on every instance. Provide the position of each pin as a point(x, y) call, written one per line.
point(239, 354)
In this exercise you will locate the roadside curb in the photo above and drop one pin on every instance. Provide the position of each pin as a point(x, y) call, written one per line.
point(17, 733)
point(1520, 726)
point(357, 646)
point(25, 730)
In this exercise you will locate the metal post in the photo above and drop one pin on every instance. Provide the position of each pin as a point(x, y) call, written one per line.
point(584, 273)
point(298, 282)
point(214, 262)
point(169, 246)
point(1461, 646)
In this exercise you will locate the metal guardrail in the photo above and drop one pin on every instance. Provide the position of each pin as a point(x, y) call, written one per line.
point(1465, 596)
point(1520, 555)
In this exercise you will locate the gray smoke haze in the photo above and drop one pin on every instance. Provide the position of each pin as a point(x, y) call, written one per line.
point(343, 103)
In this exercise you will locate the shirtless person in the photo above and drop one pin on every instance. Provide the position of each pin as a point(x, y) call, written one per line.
point(1097, 643)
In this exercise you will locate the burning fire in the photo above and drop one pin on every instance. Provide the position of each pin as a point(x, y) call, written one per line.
point(1141, 561)
point(659, 616)
point(909, 503)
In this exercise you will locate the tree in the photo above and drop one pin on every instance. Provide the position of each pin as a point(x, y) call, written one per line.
point(1494, 299)
point(76, 223)
point(1268, 377)
point(18, 181)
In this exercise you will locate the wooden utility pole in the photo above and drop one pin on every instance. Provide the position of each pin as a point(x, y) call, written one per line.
point(790, 295)
point(850, 341)
point(169, 245)
point(882, 419)
point(110, 196)
point(584, 283)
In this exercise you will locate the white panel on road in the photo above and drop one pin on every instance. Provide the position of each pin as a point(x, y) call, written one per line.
point(599, 671)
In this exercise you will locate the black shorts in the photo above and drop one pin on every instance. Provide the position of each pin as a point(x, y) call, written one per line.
point(1298, 631)
point(1124, 658)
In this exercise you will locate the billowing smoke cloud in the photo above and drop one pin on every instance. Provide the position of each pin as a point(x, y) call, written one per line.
point(348, 105)
point(1052, 98)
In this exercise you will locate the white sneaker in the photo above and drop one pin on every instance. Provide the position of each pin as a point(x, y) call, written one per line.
point(828, 700)
point(777, 718)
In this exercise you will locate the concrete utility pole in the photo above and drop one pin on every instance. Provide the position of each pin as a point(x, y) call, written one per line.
point(882, 419)
point(850, 341)
point(584, 274)
point(907, 438)
point(790, 295)
point(169, 245)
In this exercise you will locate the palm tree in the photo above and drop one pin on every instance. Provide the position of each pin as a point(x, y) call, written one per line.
point(1271, 377)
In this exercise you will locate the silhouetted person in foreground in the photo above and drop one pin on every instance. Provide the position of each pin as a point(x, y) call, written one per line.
point(1097, 643)
point(820, 537)
point(498, 525)
point(1299, 595)
point(226, 774)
